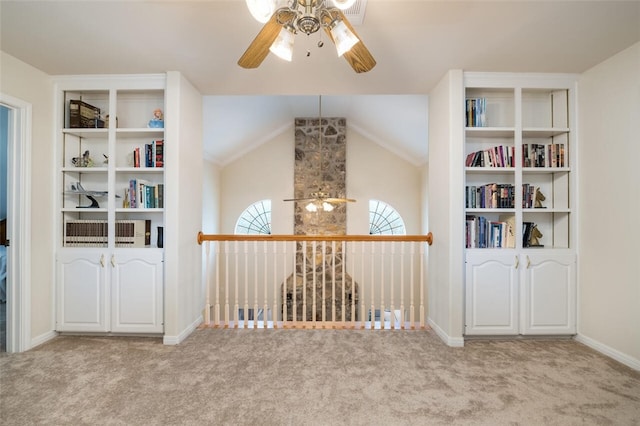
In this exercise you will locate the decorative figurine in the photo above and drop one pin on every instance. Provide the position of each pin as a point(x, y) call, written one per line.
point(84, 161)
point(157, 122)
point(125, 199)
point(539, 198)
point(535, 237)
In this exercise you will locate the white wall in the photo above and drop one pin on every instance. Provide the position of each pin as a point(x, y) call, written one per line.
point(184, 290)
point(210, 198)
point(22, 81)
point(446, 208)
point(264, 173)
point(608, 206)
point(372, 172)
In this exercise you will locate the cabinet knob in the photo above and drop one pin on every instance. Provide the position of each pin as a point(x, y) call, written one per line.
point(528, 262)
point(102, 260)
point(517, 262)
point(113, 260)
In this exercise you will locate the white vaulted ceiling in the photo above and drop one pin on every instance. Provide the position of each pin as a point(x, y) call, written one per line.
point(414, 42)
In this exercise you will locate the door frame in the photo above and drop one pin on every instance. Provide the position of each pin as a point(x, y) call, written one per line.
point(18, 224)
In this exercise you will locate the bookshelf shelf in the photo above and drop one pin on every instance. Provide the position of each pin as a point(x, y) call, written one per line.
point(84, 170)
point(520, 260)
point(140, 210)
point(489, 170)
point(139, 133)
point(490, 132)
point(139, 169)
point(543, 133)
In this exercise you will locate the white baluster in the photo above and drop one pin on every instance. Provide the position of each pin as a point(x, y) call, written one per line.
point(265, 305)
point(216, 312)
point(236, 306)
point(392, 313)
point(284, 284)
point(402, 260)
point(363, 316)
point(226, 284)
point(207, 274)
point(382, 279)
point(353, 281)
point(422, 285)
point(274, 306)
point(372, 314)
point(303, 317)
point(412, 313)
point(313, 293)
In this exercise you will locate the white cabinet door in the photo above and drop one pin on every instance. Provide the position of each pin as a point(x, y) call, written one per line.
point(82, 291)
point(549, 294)
point(491, 294)
point(137, 291)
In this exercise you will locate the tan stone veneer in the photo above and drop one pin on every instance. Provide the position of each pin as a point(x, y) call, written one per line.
point(320, 165)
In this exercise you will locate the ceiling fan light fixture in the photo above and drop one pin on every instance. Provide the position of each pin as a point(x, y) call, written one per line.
point(261, 10)
point(316, 205)
point(327, 207)
point(344, 38)
point(283, 46)
point(343, 4)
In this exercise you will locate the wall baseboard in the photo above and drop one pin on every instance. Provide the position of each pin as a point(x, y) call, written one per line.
point(176, 340)
point(456, 342)
point(43, 338)
point(623, 358)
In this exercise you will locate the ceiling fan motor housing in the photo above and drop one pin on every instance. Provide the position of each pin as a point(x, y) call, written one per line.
point(308, 24)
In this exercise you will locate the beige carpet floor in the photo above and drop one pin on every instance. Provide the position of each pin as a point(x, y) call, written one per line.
point(315, 377)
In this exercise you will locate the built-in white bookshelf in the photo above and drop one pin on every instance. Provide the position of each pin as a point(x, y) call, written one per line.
point(110, 142)
point(519, 168)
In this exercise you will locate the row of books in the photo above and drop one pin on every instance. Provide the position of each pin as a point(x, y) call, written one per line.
point(529, 195)
point(498, 156)
point(143, 195)
point(94, 233)
point(484, 233)
point(481, 232)
point(476, 112)
point(543, 155)
point(152, 156)
point(490, 196)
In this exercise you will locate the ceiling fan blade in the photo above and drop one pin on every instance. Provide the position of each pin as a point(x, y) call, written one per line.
point(339, 200)
point(259, 47)
point(300, 199)
point(359, 56)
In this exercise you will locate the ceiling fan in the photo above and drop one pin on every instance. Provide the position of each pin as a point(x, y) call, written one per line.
point(306, 16)
point(320, 200)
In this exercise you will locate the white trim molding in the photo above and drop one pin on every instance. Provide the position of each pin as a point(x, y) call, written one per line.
point(455, 342)
point(609, 351)
point(19, 225)
point(176, 340)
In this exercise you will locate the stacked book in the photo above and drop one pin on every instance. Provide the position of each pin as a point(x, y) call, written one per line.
point(94, 233)
point(484, 233)
point(142, 194)
point(476, 112)
point(151, 156)
point(498, 156)
point(541, 155)
point(490, 196)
